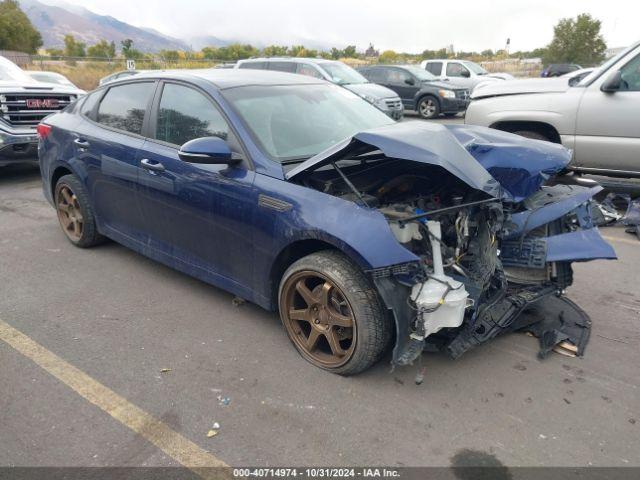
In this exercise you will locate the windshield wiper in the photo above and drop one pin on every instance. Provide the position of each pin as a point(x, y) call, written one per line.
point(291, 160)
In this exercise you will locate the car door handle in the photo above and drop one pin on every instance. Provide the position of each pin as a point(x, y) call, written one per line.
point(82, 143)
point(151, 165)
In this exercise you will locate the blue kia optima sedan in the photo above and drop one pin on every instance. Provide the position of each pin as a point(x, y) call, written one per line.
point(297, 195)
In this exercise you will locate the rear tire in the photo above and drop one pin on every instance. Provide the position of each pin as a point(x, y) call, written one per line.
point(75, 213)
point(332, 314)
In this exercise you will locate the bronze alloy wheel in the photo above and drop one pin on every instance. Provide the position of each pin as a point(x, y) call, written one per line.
point(318, 318)
point(69, 213)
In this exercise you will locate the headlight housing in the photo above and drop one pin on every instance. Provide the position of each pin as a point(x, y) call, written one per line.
point(447, 93)
point(377, 102)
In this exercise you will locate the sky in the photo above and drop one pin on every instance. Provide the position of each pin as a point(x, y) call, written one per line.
point(401, 25)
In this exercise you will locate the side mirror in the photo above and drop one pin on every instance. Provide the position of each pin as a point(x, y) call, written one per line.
point(409, 81)
point(465, 73)
point(613, 83)
point(207, 150)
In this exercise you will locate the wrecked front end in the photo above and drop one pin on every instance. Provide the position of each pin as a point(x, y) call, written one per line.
point(493, 241)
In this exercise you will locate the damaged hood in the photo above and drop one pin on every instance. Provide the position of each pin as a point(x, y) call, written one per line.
point(515, 87)
point(500, 164)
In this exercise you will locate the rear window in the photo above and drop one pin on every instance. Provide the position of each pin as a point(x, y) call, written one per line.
point(124, 106)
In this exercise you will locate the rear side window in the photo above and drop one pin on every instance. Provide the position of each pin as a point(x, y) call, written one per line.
point(435, 68)
point(283, 66)
point(90, 102)
point(254, 65)
point(308, 70)
point(186, 114)
point(124, 106)
point(375, 75)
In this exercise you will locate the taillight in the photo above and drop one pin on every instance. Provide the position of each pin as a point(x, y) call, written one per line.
point(43, 130)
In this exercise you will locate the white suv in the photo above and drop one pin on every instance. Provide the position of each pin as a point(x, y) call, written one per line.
point(462, 72)
point(599, 117)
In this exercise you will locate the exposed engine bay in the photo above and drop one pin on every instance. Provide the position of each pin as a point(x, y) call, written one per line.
point(484, 262)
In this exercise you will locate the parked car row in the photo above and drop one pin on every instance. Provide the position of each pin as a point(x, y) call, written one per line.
point(419, 90)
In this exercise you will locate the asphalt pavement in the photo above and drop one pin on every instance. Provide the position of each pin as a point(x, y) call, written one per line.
point(104, 331)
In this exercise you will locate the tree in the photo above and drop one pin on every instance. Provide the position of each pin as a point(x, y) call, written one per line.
point(274, 51)
point(73, 48)
point(350, 52)
point(102, 49)
point(16, 31)
point(576, 41)
point(128, 51)
point(170, 55)
point(388, 56)
point(55, 52)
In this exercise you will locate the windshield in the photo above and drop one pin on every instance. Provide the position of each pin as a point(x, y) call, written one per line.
point(292, 123)
point(420, 74)
point(475, 68)
point(342, 74)
point(11, 72)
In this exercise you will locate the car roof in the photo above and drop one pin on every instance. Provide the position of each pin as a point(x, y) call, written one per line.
point(230, 78)
point(289, 59)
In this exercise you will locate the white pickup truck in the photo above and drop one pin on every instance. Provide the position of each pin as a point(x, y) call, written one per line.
point(598, 118)
point(23, 103)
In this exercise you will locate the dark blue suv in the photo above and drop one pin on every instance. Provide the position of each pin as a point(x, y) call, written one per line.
point(298, 195)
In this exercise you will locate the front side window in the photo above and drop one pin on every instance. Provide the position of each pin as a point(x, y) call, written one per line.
point(434, 68)
point(398, 77)
point(185, 114)
point(124, 106)
point(631, 75)
point(455, 69)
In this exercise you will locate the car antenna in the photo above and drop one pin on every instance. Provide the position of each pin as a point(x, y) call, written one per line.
point(349, 184)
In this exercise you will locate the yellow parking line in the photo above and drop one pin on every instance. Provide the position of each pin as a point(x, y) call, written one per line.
point(622, 240)
point(161, 435)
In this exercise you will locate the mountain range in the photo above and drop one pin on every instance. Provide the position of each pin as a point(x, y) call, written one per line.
point(56, 21)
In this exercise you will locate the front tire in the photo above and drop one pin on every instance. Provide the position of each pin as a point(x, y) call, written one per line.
point(428, 107)
point(75, 213)
point(332, 314)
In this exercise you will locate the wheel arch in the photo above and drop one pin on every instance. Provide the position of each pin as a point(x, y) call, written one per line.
point(59, 172)
point(543, 128)
point(301, 248)
point(421, 95)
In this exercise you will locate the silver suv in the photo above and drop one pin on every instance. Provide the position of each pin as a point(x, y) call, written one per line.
point(598, 118)
point(335, 72)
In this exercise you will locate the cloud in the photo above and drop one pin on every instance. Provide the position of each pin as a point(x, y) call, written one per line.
point(404, 25)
